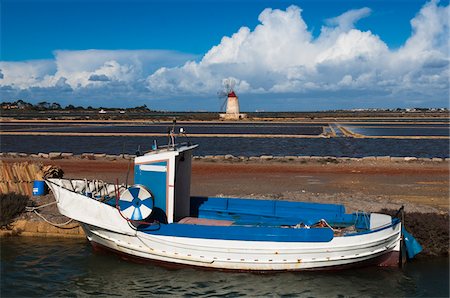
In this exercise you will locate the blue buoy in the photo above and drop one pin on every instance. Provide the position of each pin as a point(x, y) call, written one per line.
point(38, 188)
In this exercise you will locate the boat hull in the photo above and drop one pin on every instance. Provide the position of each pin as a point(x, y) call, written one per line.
point(390, 259)
point(167, 243)
point(256, 256)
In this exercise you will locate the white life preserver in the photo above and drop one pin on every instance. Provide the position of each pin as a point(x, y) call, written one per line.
point(136, 202)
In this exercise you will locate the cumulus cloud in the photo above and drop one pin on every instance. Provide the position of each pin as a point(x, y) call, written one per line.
point(278, 58)
point(86, 75)
point(281, 56)
point(25, 74)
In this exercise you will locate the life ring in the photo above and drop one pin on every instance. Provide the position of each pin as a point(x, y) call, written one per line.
point(136, 202)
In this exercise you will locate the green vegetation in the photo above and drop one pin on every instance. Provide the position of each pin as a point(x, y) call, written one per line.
point(54, 106)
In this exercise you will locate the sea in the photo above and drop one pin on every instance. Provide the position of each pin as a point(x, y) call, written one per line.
point(43, 267)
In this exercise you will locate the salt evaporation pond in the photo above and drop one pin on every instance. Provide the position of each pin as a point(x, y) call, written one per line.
point(340, 147)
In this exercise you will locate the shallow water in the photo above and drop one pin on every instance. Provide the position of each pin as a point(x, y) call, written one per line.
point(59, 267)
point(192, 128)
point(238, 146)
point(349, 147)
point(392, 130)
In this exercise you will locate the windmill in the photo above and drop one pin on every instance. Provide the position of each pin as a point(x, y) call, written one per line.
point(230, 99)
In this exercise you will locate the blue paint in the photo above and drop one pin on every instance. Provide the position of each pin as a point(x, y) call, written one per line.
point(136, 202)
point(134, 192)
point(413, 247)
point(256, 233)
point(266, 207)
point(137, 215)
point(156, 182)
point(268, 212)
point(148, 203)
point(123, 205)
point(242, 233)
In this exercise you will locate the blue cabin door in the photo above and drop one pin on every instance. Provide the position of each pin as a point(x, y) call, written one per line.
point(154, 177)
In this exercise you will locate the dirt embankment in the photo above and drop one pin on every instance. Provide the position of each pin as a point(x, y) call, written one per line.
point(421, 187)
point(361, 184)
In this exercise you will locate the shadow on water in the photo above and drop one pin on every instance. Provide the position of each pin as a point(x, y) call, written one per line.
point(56, 267)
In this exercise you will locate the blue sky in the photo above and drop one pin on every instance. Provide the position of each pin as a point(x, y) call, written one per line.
point(174, 55)
point(185, 26)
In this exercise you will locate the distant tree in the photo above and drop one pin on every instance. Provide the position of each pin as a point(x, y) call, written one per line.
point(55, 106)
point(142, 108)
point(5, 105)
point(43, 105)
point(23, 105)
point(70, 107)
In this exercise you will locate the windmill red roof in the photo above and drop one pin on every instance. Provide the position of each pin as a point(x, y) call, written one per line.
point(232, 94)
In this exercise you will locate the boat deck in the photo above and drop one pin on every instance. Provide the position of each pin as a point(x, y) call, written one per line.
point(205, 221)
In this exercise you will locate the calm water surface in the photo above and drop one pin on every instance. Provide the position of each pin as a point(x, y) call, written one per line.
point(350, 147)
point(193, 128)
point(340, 146)
point(57, 267)
point(392, 130)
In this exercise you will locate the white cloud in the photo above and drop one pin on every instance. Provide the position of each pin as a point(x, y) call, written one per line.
point(76, 67)
point(279, 57)
point(347, 20)
point(25, 74)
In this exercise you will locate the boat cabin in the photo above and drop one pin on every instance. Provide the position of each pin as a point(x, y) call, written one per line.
point(166, 173)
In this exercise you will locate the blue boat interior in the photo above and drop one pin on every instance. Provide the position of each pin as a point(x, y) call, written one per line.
point(258, 220)
point(273, 213)
point(270, 213)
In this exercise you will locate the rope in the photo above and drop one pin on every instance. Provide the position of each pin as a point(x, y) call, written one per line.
point(34, 209)
point(30, 209)
point(328, 225)
point(367, 220)
point(53, 223)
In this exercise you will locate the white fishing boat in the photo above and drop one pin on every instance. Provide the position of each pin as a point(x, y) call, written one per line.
point(157, 220)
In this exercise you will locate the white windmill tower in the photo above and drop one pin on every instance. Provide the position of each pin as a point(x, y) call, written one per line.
point(231, 101)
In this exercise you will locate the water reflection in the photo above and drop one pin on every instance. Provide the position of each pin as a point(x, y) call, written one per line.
point(55, 267)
